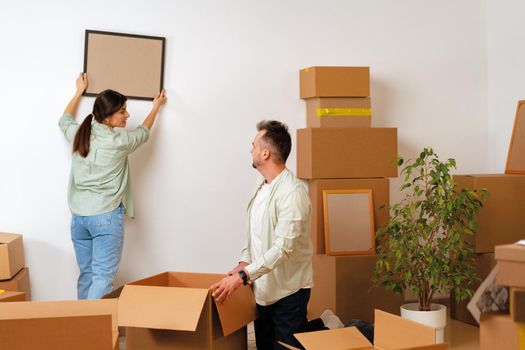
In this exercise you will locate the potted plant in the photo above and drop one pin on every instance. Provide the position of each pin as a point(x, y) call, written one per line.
point(424, 249)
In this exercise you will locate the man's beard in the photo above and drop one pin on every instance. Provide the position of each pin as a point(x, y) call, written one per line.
point(254, 166)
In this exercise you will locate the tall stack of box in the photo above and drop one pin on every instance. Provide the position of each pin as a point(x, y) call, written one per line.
point(500, 220)
point(339, 150)
point(13, 275)
point(504, 331)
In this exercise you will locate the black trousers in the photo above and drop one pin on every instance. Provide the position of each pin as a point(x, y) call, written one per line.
point(279, 321)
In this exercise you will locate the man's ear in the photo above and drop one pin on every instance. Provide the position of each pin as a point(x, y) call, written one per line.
point(266, 154)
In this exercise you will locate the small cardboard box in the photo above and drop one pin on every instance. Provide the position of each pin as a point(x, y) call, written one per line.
point(343, 284)
point(517, 305)
point(498, 331)
point(380, 196)
point(19, 283)
point(59, 325)
point(345, 153)
point(11, 255)
point(390, 332)
point(501, 219)
point(458, 310)
point(338, 112)
point(511, 265)
point(175, 310)
point(6, 296)
point(335, 82)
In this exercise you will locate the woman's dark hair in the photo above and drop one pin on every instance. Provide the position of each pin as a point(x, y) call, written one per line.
point(278, 137)
point(106, 103)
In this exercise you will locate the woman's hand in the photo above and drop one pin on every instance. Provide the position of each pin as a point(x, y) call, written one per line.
point(160, 99)
point(82, 83)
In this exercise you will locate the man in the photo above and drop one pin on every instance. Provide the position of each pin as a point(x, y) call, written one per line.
point(277, 257)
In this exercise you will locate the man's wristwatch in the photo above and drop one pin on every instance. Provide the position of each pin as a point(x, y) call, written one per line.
point(244, 277)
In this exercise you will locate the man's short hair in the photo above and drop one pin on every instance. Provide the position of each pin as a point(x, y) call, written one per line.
point(278, 137)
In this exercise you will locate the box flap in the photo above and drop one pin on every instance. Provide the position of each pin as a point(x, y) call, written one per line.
point(8, 237)
point(510, 252)
point(6, 296)
point(394, 332)
point(237, 311)
point(429, 347)
point(348, 338)
point(160, 307)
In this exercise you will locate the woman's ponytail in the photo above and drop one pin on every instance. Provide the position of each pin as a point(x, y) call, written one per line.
point(82, 139)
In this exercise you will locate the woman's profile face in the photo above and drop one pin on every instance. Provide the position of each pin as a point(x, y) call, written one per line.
point(119, 118)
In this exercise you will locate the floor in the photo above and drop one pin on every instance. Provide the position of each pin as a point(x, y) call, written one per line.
point(459, 336)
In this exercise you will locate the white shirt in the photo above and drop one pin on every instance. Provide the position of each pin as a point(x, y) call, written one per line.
point(260, 203)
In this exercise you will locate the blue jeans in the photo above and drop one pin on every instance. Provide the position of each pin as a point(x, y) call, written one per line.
point(98, 241)
point(279, 321)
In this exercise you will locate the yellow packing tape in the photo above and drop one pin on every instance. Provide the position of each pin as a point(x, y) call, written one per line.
point(344, 112)
point(2, 291)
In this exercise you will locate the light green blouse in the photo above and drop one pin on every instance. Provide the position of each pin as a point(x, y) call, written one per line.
point(99, 182)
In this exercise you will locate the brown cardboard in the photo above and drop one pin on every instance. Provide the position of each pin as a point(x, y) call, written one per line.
point(19, 283)
point(342, 153)
point(11, 255)
point(516, 155)
point(511, 265)
point(501, 219)
point(343, 284)
point(334, 82)
point(59, 325)
point(517, 305)
point(390, 332)
point(458, 310)
point(498, 331)
point(380, 196)
point(12, 296)
point(175, 310)
point(338, 112)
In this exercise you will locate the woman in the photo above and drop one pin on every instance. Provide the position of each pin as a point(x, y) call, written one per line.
point(99, 193)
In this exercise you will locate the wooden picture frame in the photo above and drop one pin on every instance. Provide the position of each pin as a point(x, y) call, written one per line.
point(128, 63)
point(516, 156)
point(349, 222)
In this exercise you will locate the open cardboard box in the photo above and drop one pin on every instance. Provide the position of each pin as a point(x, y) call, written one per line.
point(175, 310)
point(59, 325)
point(390, 332)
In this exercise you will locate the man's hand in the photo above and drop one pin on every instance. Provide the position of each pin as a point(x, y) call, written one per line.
point(237, 268)
point(222, 290)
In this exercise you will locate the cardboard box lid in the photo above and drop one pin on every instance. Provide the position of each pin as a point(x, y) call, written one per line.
point(510, 252)
point(235, 313)
point(160, 307)
point(390, 332)
point(6, 238)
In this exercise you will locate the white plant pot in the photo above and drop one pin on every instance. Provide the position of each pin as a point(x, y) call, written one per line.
point(435, 318)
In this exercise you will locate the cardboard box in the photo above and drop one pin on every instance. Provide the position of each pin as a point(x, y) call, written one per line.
point(343, 284)
point(345, 153)
point(390, 332)
point(501, 219)
point(335, 82)
point(19, 283)
point(11, 255)
point(6, 296)
point(175, 310)
point(338, 112)
point(59, 325)
point(517, 305)
point(498, 331)
point(380, 196)
point(511, 265)
point(458, 310)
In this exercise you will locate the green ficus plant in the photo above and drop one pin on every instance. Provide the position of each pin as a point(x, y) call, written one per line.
point(424, 247)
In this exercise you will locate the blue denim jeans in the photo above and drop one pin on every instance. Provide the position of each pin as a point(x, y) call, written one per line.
point(98, 241)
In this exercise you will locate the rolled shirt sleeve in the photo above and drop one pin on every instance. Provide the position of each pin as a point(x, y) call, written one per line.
point(69, 126)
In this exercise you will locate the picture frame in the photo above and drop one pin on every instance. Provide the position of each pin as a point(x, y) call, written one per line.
point(516, 155)
point(349, 222)
point(128, 63)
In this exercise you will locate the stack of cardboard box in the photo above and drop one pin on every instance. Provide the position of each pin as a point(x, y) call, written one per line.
point(501, 221)
point(507, 331)
point(339, 150)
point(14, 276)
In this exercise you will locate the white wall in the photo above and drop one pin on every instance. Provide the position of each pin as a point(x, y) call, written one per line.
point(229, 64)
point(505, 73)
